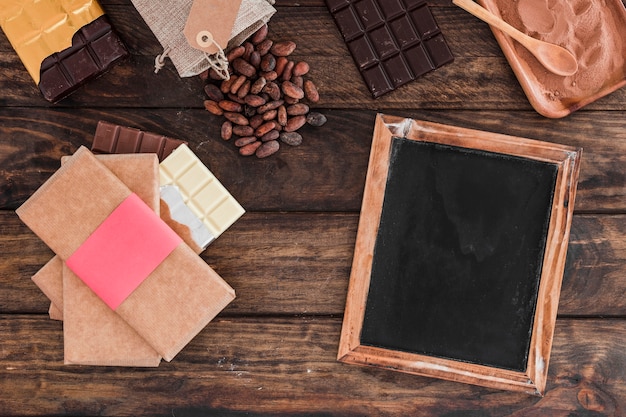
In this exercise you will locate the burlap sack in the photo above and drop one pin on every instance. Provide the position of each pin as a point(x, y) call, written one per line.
point(167, 20)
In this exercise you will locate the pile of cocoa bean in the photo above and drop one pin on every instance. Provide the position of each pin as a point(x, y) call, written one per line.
point(263, 101)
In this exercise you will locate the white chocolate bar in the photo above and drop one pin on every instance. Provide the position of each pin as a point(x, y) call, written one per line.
point(207, 198)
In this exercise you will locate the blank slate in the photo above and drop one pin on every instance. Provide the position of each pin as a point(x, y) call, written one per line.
point(460, 254)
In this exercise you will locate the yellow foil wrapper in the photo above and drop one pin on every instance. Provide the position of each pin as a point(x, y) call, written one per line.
point(40, 28)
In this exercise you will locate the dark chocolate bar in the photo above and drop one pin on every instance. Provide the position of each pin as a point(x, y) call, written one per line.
point(392, 41)
point(115, 139)
point(95, 48)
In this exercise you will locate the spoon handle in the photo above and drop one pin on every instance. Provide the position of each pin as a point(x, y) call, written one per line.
point(486, 16)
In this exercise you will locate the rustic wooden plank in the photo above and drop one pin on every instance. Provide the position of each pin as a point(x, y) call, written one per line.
point(478, 79)
point(299, 263)
point(291, 371)
point(326, 173)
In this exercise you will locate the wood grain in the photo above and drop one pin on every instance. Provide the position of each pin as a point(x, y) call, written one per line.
point(328, 170)
point(291, 371)
point(299, 263)
point(272, 351)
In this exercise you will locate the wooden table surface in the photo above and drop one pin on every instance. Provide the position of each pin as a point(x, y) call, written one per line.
point(272, 352)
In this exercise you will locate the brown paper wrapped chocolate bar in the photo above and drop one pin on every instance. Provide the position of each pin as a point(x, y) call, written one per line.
point(169, 296)
point(93, 333)
point(141, 174)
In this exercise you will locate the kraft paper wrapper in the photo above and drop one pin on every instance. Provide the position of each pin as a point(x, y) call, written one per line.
point(175, 302)
point(93, 333)
point(140, 172)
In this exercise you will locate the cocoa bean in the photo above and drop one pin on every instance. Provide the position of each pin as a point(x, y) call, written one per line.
point(246, 140)
point(255, 59)
point(235, 98)
point(310, 91)
point(213, 92)
point(270, 115)
point(260, 35)
point(243, 130)
point(256, 121)
point(316, 119)
point(226, 84)
point(284, 48)
point(267, 149)
point(273, 90)
point(291, 90)
point(250, 148)
point(291, 138)
point(204, 75)
point(213, 107)
point(268, 63)
point(264, 47)
point(254, 100)
point(297, 109)
point(227, 130)
point(228, 105)
point(248, 50)
point(272, 105)
point(291, 100)
point(301, 68)
point(297, 80)
point(237, 84)
point(244, 90)
point(236, 118)
point(271, 135)
point(235, 53)
point(264, 128)
point(294, 123)
point(258, 85)
point(269, 75)
point(287, 71)
point(281, 116)
point(243, 67)
point(281, 62)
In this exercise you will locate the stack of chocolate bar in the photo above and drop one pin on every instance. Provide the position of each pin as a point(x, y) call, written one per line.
point(127, 280)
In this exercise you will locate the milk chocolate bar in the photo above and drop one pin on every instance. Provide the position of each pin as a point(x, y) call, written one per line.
point(62, 44)
point(392, 42)
point(115, 139)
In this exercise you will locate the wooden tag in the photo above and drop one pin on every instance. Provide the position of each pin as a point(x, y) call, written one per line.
point(210, 24)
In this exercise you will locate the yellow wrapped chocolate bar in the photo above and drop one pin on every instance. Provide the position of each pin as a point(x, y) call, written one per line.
point(62, 43)
point(37, 29)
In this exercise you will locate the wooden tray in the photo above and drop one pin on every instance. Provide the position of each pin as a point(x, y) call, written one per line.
point(540, 86)
point(459, 254)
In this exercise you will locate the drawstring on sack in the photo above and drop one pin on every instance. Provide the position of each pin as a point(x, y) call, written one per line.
point(159, 61)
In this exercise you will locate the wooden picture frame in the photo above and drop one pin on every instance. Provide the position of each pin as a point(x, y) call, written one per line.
point(371, 333)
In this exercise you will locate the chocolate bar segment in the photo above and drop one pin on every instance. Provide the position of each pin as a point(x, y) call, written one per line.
point(392, 42)
point(115, 139)
point(95, 48)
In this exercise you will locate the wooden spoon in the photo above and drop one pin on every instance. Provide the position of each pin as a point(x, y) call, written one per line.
point(553, 57)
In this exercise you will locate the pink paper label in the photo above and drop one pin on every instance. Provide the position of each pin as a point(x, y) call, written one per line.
point(123, 251)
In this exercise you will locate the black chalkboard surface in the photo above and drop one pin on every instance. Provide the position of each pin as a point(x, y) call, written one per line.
point(459, 255)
